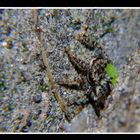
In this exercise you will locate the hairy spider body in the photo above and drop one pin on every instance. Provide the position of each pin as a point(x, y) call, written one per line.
point(94, 81)
point(96, 72)
point(79, 65)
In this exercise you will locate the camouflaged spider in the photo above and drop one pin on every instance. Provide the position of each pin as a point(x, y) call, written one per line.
point(94, 80)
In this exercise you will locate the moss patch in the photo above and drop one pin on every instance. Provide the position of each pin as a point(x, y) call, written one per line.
point(113, 73)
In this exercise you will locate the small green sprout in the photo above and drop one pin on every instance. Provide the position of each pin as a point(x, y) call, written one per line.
point(43, 87)
point(112, 72)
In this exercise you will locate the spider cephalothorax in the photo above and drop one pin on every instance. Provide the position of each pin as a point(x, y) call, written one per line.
point(95, 82)
point(96, 71)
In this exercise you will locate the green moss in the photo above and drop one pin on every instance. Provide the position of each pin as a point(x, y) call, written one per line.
point(24, 49)
point(110, 30)
point(112, 72)
point(95, 27)
point(3, 86)
point(43, 87)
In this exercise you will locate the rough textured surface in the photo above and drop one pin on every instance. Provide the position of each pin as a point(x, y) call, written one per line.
point(26, 101)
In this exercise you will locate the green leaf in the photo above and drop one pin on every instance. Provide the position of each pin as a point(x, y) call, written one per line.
point(112, 72)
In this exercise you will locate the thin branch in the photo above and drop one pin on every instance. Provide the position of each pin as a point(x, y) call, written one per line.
point(52, 85)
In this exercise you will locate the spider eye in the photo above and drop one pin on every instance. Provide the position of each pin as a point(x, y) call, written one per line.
point(92, 61)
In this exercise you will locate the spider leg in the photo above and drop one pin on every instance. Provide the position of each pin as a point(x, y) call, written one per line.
point(93, 102)
point(95, 105)
point(71, 84)
point(89, 42)
point(79, 105)
point(79, 65)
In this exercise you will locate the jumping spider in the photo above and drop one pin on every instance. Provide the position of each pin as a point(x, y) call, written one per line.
point(94, 80)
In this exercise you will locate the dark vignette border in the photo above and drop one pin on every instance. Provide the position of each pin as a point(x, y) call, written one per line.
point(69, 3)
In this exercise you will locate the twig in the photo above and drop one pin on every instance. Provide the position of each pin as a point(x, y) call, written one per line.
point(52, 85)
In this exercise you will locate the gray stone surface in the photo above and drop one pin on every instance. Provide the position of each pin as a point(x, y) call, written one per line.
point(23, 75)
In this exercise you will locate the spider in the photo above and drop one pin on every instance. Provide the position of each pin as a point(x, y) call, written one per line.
point(94, 80)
